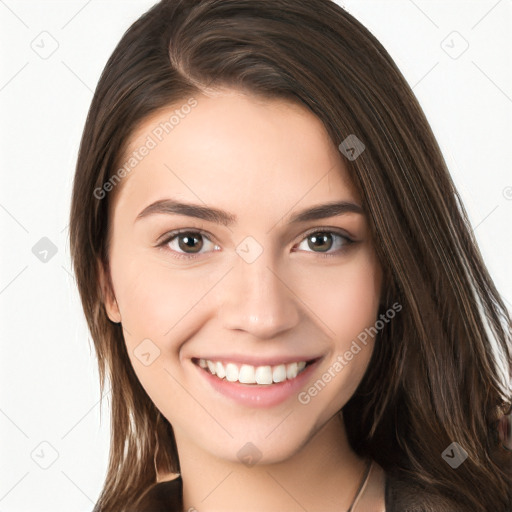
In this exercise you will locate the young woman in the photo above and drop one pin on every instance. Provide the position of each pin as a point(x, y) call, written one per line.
point(279, 277)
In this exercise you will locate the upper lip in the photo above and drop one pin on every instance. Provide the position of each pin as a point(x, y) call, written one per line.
point(258, 361)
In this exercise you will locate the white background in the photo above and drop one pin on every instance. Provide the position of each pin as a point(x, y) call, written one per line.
point(49, 383)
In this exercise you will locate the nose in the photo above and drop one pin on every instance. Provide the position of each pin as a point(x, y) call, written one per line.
point(258, 300)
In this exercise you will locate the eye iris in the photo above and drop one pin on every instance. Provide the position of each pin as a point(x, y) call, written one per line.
point(319, 240)
point(187, 240)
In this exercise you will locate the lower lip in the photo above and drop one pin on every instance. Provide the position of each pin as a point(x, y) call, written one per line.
point(259, 395)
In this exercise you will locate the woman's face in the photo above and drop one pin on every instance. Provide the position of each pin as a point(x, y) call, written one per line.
point(261, 285)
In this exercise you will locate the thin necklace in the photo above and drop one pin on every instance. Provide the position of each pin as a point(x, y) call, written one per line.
point(362, 484)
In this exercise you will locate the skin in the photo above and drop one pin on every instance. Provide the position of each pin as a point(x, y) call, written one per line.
point(262, 161)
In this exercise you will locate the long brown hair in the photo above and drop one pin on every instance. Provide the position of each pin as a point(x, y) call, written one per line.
point(434, 377)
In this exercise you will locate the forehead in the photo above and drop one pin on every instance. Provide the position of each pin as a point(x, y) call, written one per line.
point(232, 146)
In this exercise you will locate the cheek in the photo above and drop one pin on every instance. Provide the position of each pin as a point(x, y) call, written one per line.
point(157, 306)
point(161, 308)
point(345, 299)
point(151, 296)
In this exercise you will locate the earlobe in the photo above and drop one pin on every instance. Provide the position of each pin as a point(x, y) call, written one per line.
point(108, 296)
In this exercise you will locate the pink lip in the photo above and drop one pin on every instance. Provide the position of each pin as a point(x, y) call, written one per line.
point(256, 395)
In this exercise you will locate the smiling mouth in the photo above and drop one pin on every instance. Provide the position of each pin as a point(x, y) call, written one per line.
point(253, 375)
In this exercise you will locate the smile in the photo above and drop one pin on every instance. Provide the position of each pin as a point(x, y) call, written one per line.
point(248, 374)
point(255, 386)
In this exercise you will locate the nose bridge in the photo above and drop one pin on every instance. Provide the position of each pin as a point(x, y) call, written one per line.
point(256, 299)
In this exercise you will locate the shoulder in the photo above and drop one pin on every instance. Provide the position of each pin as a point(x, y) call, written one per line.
point(405, 496)
point(161, 497)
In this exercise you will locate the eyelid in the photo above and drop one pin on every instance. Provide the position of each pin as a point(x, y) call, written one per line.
point(170, 235)
point(166, 238)
point(330, 229)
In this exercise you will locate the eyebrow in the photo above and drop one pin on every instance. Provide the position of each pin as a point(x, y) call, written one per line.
point(171, 206)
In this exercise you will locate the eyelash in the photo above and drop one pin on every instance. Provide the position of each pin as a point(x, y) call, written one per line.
point(173, 234)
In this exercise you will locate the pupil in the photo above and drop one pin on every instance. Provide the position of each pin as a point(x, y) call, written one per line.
point(186, 241)
point(319, 241)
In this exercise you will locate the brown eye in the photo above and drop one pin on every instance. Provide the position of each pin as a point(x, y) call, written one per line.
point(321, 241)
point(329, 242)
point(190, 242)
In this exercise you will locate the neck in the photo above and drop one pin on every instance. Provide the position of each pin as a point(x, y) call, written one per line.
point(322, 475)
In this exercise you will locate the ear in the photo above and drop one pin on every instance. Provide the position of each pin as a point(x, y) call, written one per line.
point(107, 291)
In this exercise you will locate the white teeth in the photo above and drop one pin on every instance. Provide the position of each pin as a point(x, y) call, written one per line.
point(231, 372)
point(248, 374)
point(219, 371)
point(211, 367)
point(263, 375)
point(279, 373)
point(291, 371)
